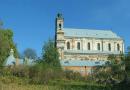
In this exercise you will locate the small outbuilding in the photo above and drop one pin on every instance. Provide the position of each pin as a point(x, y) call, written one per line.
point(12, 61)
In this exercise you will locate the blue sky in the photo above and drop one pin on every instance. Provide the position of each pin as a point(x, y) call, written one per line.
point(33, 21)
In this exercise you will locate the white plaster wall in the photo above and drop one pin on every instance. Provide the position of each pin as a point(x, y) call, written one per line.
point(93, 44)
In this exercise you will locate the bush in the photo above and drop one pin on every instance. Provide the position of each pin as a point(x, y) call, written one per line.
point(70, 75)
point(12, 79)
point(18, 71)
point(42, 73)
point(21, 71)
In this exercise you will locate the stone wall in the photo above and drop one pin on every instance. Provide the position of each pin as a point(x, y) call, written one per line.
point(83, 70)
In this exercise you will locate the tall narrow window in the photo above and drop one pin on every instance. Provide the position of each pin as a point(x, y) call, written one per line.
point(98, 46)
point(60, 26)
point(78, 45)
point(118, 47)
point(68, 45)
point(109, 47)
point(89, 46)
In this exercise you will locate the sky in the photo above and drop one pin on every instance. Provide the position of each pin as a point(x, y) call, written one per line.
point(33, 21)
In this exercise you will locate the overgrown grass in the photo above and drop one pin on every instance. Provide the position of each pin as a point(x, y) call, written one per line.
point(51, 87)
point(44, 77)
point(60, 87)
point(28, 87)
point(18, 83)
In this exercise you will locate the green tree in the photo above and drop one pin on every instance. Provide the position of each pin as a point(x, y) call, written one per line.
point(6, 43)
point(30, 53)
point(50, 54)
point(1, 24)
point(111, 72)
point(127, 61)
point(112, 58)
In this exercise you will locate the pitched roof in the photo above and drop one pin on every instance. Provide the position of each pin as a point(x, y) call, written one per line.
point(82, 63)
point(90, 33)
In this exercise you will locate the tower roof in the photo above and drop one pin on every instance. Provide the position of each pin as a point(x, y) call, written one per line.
point(59, 16)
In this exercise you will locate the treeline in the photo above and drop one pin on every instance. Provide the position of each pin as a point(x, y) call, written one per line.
point(6, 43)
point(127, 61)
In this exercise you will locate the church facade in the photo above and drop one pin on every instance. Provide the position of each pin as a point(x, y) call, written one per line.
point(85, 45)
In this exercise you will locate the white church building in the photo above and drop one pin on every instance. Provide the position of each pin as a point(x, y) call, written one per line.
point(84, 45)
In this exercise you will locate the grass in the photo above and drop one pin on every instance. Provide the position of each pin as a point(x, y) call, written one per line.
point(47, 87)
point(18, 83)
point(21, 84)
point(61, 85)
point(15, 83)
point(27, 87)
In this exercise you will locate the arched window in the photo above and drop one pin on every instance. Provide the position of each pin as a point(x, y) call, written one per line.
point(109, 47)
point(98, 46)
point(89, 46)
point(68, 45)
point(118, 47)
point(78, 45)
point(60, 25)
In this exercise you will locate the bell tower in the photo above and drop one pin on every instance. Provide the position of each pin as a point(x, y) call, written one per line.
point(59, 22)
point(59, 35)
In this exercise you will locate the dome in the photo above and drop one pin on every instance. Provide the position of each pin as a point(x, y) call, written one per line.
point(10, 60)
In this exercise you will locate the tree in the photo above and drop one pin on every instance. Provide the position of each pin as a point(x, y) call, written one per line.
point(128, 53)
point(30, 53)
point(127, 60)
point(48, 68)
point(112, 58)
point(50, 54)
point(112, 72)
point(1, 24)
point(6, 43)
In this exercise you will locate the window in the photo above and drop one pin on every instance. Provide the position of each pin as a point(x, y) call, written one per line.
point(88, 46)
point(60, 26)
point(118, 47)
point(68, 45)
point(109, 47)
point(78, 45)
point(98, 46)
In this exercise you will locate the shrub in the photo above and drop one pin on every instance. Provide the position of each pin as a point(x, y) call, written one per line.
point(73, 75)
point(42, 73)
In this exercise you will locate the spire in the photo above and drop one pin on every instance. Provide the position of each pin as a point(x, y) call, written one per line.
point(59, 16)
point(11, 52)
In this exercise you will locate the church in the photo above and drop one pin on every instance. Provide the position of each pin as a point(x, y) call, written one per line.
point(83, 49)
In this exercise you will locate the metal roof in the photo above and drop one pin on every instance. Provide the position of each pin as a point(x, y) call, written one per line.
point(82, 63)
point(90, 33)
point(9, 61)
